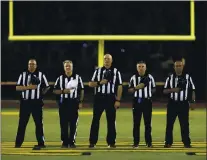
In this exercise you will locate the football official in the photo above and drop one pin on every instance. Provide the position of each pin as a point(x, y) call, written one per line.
point(69, 87)
point(142, 85)
point(108, 90)
point(177, 86)
point(33, 85)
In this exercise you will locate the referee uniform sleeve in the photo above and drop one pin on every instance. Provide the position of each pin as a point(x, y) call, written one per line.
point(167, 83)
point(131, 83)
point(119, 79)
point(94, 78)
point(192, 86)
point(19, 82)
point(153, 81)
point(57, 83)
point(45, 81)
point(80, 83)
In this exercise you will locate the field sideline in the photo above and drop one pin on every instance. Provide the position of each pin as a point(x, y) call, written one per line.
point(9, 121)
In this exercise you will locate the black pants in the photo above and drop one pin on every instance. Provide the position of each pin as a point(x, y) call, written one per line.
point(145, 107)
point(102, 103)
point(28, 107)
point(180, 109)
point(68, 113)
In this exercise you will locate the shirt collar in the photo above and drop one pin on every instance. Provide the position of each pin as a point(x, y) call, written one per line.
point(140, 75)
point(175, 75)
point(35, 72)
point(107, 68)
point(72, 75)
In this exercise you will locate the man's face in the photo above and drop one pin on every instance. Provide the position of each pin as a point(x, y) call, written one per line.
point(141, 68)
point(178, 66)
point(32, 65)
point(107, 60)
point(68, 67)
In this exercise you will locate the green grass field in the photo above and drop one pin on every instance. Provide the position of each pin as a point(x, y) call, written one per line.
point(124, 151)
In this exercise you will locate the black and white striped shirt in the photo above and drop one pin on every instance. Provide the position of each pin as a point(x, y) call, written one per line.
point(111, 86)
point(146, 92)
point(172, 81)
point(24, 80)
point(61, 84)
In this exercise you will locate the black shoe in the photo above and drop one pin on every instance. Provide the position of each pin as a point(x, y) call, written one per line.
point(149, 145)
point(135, 146)
point(40, 146)
point(64, 145)
point(91, 146)
point(111, 146)
point(167, 146)
point(72, 146)
point(17, 146)
point(187, 146)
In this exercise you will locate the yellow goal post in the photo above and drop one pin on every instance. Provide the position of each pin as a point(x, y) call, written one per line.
point(100, 38)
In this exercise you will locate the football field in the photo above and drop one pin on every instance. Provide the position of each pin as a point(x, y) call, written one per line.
point(124, 150)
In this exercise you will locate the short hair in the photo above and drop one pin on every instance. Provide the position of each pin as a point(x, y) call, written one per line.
point(108, 55)
point(180, 60)
point(32, 59)
point(139, 62)
point(67, 61)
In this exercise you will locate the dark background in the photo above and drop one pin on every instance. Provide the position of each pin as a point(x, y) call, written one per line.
point(114, 18)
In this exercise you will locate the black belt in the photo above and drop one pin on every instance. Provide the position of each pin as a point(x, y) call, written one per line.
point(68, 99)
point(140, 100)
point(149, 98)
point(174, 101)
point(30, 100)
point(105, 95)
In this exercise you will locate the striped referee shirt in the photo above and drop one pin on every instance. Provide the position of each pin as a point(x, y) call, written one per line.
point(146, 92)
point(111, 86)
point(24, 80)
point(62, 82)
point(172, 81)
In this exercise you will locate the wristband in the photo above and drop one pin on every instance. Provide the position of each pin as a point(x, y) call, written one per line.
point(117, 100)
